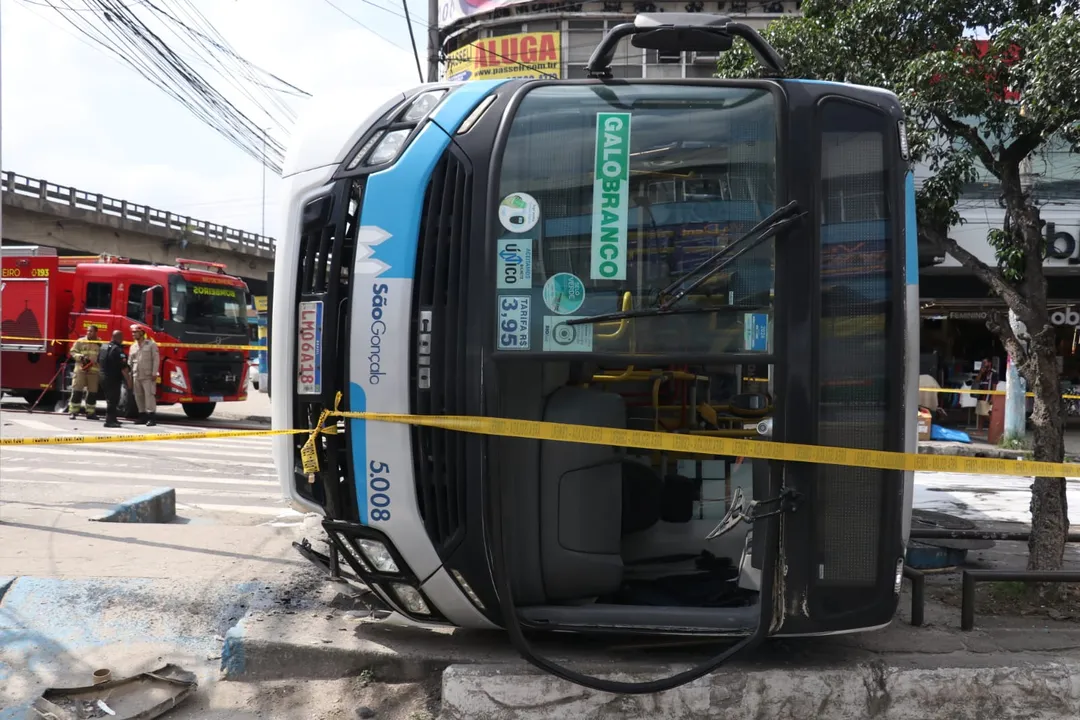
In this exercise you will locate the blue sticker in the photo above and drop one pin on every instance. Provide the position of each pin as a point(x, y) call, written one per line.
point(564, 293)
point(756, 332)
point(515, 264)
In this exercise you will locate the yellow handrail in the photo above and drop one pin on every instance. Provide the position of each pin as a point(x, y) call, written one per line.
point(627, 303)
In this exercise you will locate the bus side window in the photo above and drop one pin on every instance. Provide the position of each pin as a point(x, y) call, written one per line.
point(135, 303)
point(99, 296)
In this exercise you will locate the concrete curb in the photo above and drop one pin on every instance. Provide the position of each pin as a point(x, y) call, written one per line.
point(156, 506)
point(325, 647)
point(980, 450)
point(1047, 691)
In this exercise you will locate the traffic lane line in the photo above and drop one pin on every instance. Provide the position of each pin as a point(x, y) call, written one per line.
point(129, 455)
point(208, 492)
point(149, 477)
point(163, 420)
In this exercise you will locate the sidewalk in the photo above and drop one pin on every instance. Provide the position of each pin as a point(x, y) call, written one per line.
point(241, 601)
point(980, 448)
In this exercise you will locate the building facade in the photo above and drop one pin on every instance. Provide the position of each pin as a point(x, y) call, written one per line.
point(522, 39)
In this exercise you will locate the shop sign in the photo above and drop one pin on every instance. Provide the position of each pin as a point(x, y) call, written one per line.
point(1068, 316)
point(524, 55)
point(1061, 245)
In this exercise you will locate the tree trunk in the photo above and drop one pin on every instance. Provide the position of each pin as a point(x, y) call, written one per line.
point(1049, 507)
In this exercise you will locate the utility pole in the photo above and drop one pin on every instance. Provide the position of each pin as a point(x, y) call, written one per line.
point(263, 233)
point(433, 44)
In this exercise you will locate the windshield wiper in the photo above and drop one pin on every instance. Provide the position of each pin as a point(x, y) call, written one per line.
point(776, 222)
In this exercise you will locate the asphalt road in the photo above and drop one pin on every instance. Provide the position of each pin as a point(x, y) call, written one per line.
point(218, 481)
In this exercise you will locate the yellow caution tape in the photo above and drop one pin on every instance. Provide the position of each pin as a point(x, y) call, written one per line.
point(613, 437)
point(200, 346)
point(709, 445)
point(984, 392)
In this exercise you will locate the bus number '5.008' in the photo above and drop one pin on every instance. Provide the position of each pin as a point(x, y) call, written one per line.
point(379, 487)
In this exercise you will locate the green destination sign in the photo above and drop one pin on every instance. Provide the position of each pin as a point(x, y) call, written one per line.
point(611, 196)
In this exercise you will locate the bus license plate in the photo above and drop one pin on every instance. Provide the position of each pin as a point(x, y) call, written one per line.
point(217, 398)
point(309, 348)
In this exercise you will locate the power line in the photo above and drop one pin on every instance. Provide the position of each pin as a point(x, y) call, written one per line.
point(114, 26)
point(361, 24)
point(412, 39)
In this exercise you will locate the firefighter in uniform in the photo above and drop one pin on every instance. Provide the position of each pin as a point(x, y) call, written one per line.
point(145, 362)
point(85, 376)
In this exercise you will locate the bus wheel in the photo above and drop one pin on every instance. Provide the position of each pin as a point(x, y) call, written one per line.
point(199, 411)
point(127, 408)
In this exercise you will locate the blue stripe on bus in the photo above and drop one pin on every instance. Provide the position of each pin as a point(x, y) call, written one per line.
point(358, 446)
point(394, 198)
point(911, 233)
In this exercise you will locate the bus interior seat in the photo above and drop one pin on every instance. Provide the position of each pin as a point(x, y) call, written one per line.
point(592, 496)
point(581, 496)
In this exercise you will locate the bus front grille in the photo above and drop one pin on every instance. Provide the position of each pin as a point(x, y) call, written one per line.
point(438, 356)
point(326, 252)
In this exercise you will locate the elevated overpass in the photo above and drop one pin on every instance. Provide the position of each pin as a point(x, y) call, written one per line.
point(37, 212)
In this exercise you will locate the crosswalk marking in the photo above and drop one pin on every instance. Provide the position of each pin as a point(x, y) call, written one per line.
point(123, 459)
point(151, 477)
point(228, 479)
point(209, 492)
point(31, 424)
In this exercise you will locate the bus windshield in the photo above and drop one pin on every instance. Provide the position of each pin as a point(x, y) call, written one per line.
point(609, 194)
point(203, 305)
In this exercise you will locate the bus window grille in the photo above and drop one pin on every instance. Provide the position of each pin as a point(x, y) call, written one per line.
point(439, 294)
point(856, 278)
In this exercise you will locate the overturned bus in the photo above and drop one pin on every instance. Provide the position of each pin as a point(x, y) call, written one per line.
point(699, 258)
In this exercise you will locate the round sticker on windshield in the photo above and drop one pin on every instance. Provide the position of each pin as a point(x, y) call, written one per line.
point(519, 212)
point(564, 293)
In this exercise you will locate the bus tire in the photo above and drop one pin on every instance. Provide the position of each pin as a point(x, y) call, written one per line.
point(127, 408)
point(199, 411)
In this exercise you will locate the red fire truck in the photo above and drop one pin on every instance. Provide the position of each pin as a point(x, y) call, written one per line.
point(48, 301)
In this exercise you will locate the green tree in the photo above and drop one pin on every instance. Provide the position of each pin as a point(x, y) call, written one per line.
point(963, 116)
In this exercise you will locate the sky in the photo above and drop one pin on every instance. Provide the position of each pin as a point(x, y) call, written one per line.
point(76, 115)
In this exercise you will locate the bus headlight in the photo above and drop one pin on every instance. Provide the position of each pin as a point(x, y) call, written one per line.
point(411, 599)
point(379, 556)
point(389, 147)
point(422, 105)
point(467, 590)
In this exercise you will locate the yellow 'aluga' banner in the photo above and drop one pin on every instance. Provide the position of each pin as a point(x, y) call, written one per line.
point(525, 55)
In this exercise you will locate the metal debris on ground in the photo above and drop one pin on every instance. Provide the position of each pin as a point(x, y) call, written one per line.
point(139, 697)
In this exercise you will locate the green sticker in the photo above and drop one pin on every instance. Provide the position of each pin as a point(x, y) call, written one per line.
point(611, 196)
point(564, 293)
